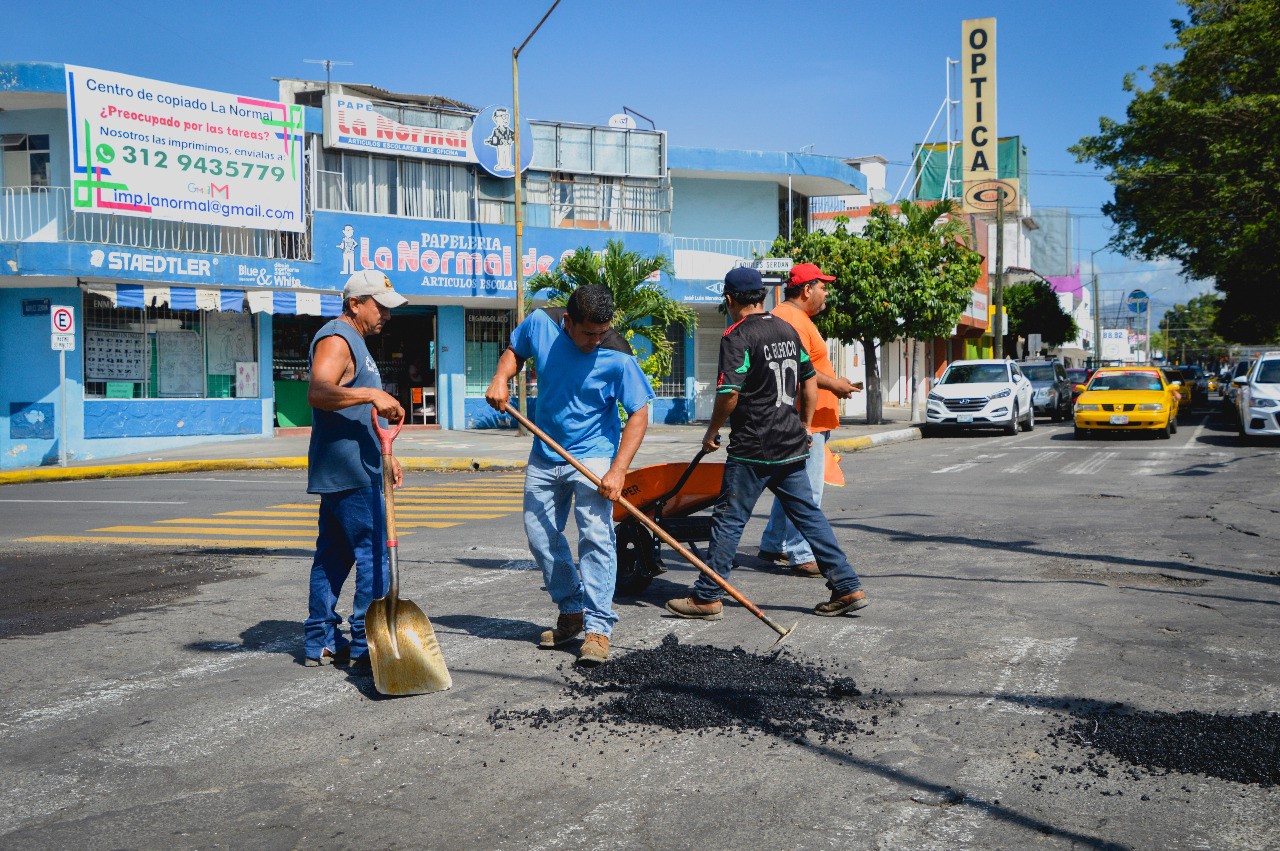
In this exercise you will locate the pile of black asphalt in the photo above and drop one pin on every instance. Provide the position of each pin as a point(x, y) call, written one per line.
point(1115, 738)
point(693, 687)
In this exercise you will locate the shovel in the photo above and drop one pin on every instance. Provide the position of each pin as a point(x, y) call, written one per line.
point(653, 527)
point(403, 650)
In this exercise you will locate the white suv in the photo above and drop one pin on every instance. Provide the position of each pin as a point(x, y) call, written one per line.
point(1258, 397)
point(981, 394)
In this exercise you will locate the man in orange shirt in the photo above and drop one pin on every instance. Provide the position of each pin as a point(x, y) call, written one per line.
point(806, 296)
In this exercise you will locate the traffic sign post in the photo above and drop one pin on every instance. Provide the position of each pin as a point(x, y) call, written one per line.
point(62, 327)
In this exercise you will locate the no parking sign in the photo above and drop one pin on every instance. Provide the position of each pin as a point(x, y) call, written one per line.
point(62, 324)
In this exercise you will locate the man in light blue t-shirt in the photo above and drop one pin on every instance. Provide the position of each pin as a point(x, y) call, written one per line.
point(585, 371)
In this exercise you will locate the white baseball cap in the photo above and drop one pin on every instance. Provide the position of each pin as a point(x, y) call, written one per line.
point(374, 283)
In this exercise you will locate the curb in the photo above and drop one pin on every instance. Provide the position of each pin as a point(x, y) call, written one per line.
point(883, 438)
point(120, 471)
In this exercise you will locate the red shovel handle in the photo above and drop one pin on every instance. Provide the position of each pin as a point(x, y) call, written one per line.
point(385, 435)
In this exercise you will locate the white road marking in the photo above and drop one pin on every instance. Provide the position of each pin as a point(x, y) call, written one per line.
point(1089, 466)
point(1032, 669)
point(1032, 461)
point(971, 463)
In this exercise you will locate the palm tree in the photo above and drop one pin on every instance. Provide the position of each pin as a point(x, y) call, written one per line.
point(642, 308)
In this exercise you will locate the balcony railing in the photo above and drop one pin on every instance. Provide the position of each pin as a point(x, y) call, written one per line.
point(44, 214)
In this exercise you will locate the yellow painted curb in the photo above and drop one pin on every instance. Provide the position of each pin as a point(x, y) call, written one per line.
point(151, 468)
point(850, 444)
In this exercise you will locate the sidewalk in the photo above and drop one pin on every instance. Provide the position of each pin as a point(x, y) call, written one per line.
point(426, 449)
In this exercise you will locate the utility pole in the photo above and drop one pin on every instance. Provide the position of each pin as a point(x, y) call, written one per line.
point(997, 299)
point(522, 387)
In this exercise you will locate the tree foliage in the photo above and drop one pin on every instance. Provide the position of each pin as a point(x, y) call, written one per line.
point(642, 308)
point(1186, 330)
point(1034, 308)
point(908, 274)
point(1195, 165)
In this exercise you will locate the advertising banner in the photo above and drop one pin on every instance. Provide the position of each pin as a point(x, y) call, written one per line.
point(1116, 344)
point(142, 147)
point(353, 124)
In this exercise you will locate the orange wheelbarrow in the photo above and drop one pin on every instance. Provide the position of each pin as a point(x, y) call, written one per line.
point(671, 495)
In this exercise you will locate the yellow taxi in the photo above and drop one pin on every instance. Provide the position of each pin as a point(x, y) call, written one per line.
point(1127, 398)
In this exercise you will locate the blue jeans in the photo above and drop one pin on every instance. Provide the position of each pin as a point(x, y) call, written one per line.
point(549, 490)
point(743, 484)
point(352, 531)
point(781, 536)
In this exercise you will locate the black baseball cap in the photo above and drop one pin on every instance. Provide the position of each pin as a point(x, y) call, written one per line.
point(743, 279)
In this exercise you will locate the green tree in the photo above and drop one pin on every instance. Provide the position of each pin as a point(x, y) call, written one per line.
point(1034, 308)
point(904, 275)
point(1195, 165)
point(1186, 331)
point(642, 308)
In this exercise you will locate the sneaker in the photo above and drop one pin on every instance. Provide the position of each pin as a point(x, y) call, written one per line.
point(839, 604)
point(688, 607)
point(595, 650)
point(772, 557)
point(568, 627)
point(328, 657)
point(807, 568)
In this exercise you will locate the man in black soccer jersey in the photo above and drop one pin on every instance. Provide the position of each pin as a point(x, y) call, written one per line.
point(763, 367)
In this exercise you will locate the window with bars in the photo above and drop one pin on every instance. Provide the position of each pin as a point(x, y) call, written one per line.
point(157, 352)
point(488, 333)
point(672, 384)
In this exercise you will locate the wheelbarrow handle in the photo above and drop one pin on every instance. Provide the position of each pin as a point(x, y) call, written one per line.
point(661, 501)
point(653, 527)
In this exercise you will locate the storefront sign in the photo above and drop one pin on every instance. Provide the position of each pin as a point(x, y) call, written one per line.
point(493, 142)
point(148, 148)
point(980, 168)
point(452, 258)
point(353, 123)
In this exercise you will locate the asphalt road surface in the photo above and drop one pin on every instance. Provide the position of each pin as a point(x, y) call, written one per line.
point(154, 695)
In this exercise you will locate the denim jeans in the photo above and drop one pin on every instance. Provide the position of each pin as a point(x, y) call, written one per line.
point(781, 536)
point(549, 491)
point(352, 531)
point(743, 484)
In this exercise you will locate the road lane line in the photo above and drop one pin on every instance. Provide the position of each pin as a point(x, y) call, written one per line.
point(1032, 461)
point(262, 543)
point(199, 530)
point(1089, 466)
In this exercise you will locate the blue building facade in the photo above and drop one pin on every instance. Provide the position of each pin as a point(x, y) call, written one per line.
point(186, 332)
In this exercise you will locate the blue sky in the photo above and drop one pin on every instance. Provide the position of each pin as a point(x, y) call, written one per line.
point(848, 78)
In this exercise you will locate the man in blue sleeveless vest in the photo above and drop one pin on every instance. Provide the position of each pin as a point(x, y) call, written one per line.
point(344, 466)
point(585, 371)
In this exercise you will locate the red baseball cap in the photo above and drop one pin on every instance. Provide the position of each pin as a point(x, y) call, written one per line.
point(804, 273)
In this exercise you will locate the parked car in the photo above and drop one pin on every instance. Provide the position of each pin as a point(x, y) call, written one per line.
point(1079, 377)
point(1127, 399)
point(1258, 398)
point(1050, 388)
point(1231, 389)
point(981, 394)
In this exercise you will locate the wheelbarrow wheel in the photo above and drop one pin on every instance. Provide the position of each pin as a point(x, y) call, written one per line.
point(638, 559)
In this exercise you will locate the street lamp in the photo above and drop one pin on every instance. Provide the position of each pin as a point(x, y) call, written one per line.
point(1148, 312)
point(1097, 312)
point(522, 393)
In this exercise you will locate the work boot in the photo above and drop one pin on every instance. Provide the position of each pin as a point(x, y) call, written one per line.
point(807, 568)
point(841, 603)
point(328, 657)
point(594, 651)
point(567, 628)
point(772, 557)
point(688, 607)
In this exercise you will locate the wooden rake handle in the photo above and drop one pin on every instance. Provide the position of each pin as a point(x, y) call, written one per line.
point(651, 526)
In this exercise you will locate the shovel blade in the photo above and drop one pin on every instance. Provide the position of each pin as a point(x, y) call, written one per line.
point(410, 662)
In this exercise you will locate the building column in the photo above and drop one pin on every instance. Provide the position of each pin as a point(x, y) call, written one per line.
point(451, 367)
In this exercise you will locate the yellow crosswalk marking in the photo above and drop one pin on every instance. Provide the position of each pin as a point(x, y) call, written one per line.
point(302, 520)
point(311, 513)
point(266, 543)
point(284, 533)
